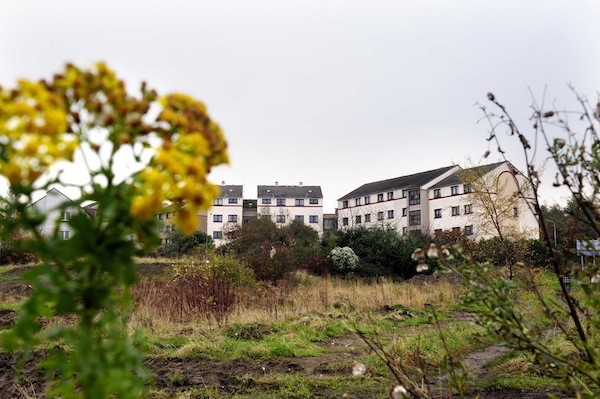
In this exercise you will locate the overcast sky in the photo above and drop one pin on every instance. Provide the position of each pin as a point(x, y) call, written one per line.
point(335, 93)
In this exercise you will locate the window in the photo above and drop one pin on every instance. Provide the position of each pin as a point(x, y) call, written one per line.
point(456, 230)
point(160, 216)
point(390, 214)
point(455, 211)
point(217, 218)
point(358, 219)
point(64, 235)
point(168, 215)
point(299, 202)
point(313, 201)
point(217, 234)
point(404, 212)
point(266, 201)
point(468, 209)
point(390, 195)
point(437, 213)
point(345, 222)
point(438, 232)
point(357, 201)
point(345, 204)
point(437, 193)
point(232, 218)
point(379, 215)
point(379, 197)
point(169, 228)
point(367, 200)
point(280, 219)
point(299, 217)
point(313, 219)
point(454, 190)
point(218, 201)
point(469, 230)
point(368, 218)
point(467, 188)
point(280, 201)
point(414, 218)
point(64, 216)
point(266, 217)
point(414, 197)
point(404, 231)
point(232, 201)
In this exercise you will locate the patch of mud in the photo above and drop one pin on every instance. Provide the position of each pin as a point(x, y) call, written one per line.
point(7, 318)
point(28, 383)
point(18, 289)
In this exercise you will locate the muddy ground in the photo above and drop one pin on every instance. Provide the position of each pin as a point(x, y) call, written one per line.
point(234, 376)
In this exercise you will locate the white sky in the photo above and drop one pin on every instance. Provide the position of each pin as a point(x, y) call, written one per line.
point(334, 93)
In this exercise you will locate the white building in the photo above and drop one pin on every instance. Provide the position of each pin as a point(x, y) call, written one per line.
point(283, 204)
point(441, 200)
point(226, 214)
point(58, 209)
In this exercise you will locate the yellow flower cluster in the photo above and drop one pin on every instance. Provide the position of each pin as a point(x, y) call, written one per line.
point(33, 126)
point(192, 145)
point(42, 123)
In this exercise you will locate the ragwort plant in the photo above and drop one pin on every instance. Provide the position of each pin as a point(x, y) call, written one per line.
point(172, 144)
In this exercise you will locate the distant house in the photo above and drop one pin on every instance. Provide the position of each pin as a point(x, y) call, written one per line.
point(440, 200)
point(226, 214)
point(58, 209)
point(283, 204)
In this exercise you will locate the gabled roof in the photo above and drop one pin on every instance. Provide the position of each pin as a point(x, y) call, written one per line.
point(403, 182)
point(455, 178)
point(290, 191)
point(231, 191)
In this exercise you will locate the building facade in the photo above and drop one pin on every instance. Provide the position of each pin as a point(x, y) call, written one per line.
point(283, 204)
point(441, 200)
point(58, 209)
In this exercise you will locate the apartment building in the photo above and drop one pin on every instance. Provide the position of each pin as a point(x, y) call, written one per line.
point(283, 204)
point(58, 209)
point(442, 200)
point(226, 213)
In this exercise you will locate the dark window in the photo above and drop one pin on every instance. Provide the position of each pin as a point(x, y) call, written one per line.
point(299, 202)
point(390, 214)
point(437, 193)
point(358, 219)
point(266, 217)
point(414, 218)
point(280, 219)
point(467, 188)
point(367, 218)
point(299, 217)
point(379, 215)
point(404, 212)
point(232, 218)
point(345, 222)
point(217, 218)
point(266, 201)
point(345, 204)
point(313, 219)
point(469, 230)
point(357, 201)
point(437, 213)
point(468, 209)
point(454, 190)
point(414, 197)
point(313, 201)
point(367, 200)
point(280, 201)
point(390, 195)
point(233, 200)
point(217, 234)
point(379, 197)
point(455, 211)
point(218, 201)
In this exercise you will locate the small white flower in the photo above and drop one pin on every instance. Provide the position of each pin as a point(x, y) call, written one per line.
point(399, 392)
point(444, 250)
point(358, 369)
point(417, 254)
point(432, 252)
point(422, 267)
point(272, 252)
point(595, 278)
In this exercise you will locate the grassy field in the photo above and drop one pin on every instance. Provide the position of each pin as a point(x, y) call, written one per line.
point(302, 340)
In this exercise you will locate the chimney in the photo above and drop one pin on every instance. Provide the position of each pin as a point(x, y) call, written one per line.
point(276, 183)
point(300, 184)
point(223, 182)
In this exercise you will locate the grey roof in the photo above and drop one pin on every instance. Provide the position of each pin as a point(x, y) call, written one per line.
point(231, 191)
point(402, 182)
point(290, 191)
point(454, 178)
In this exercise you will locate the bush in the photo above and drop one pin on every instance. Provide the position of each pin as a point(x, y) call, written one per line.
point(180, 244)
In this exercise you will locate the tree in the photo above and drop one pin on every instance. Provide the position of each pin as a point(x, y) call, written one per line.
point(180, 244)
point(172, 144)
